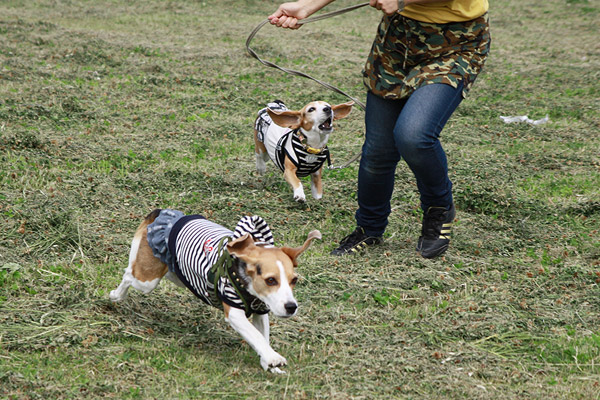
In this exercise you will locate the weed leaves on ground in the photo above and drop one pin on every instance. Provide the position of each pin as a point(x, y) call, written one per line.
point(109, 109)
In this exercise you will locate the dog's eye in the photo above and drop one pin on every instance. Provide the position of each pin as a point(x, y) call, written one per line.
point(312, 109)
point(294, 281)
point(271, 281)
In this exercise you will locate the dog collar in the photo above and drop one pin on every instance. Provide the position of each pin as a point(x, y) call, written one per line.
point(312, 150)
point(225, 268)
point(307, 148)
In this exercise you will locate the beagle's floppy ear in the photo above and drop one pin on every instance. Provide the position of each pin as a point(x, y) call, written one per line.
point(286, 119)
point(241, 247)
point(342, 110)
point(293, 253)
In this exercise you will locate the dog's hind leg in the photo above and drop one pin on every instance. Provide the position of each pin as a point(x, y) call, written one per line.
point(261, 162)
point(120, 293)
point(262, 156)
point(144, 271)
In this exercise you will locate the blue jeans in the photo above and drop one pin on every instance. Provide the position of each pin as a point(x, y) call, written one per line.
point(408, 129)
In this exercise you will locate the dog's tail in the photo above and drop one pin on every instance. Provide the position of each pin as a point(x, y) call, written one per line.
point(152, 216)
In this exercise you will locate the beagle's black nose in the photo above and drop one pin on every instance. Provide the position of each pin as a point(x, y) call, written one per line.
point(327, 109)
point(290, 307)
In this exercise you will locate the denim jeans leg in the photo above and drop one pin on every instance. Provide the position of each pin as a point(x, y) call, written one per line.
point(417, 133)
point(377, 164)
point(408, 129)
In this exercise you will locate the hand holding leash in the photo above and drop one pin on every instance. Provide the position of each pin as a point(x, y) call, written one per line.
point(388, 7)
point(287, 15)
point(291, 15)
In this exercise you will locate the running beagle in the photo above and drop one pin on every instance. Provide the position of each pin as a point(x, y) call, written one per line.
point(296, 141)
point(239, 271)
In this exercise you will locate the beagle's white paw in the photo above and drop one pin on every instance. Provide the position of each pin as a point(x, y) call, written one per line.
point(316, 195)
point(273, 362)
point(116, 296)
point(299, 195)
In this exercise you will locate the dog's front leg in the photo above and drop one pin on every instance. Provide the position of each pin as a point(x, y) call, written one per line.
point(316, 184)
point(269, 358)
point(261, 322)
point(290, 176)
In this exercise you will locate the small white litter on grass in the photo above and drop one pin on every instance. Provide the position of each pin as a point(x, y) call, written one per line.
point(524, 118)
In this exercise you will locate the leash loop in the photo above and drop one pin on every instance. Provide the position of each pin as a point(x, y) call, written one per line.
point(304, 75)
point(299, 73)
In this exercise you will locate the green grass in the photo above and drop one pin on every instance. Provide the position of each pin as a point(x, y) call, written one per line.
point(110, 109)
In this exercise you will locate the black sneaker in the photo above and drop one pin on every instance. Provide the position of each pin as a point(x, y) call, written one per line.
point(356, 241)
point(435, 233)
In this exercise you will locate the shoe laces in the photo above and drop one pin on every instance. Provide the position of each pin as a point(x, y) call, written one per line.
point(352, 239)
point(433, 221)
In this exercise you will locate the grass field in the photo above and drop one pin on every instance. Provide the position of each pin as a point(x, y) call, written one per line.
point(109, 109)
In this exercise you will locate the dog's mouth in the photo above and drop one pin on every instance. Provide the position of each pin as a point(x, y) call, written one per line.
point(326, 126)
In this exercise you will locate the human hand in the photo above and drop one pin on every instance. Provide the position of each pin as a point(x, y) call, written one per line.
point(388, 7)
point(288, 14)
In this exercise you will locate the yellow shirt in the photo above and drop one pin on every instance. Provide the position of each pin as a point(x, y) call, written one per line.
point(446, 11)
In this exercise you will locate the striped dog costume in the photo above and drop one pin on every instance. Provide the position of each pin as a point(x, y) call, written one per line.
point(194, 249)
point(280, 141)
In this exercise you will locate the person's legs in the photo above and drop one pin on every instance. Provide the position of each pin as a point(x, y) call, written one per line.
point(417, 132)
point(378, 163)
point(375, 175)
point(409, 129)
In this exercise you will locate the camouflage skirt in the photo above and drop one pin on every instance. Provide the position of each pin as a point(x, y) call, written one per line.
point(408, 54)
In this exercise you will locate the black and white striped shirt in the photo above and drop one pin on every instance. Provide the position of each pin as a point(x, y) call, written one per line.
point(196, 244)
point(307, 163)
point(280, 142)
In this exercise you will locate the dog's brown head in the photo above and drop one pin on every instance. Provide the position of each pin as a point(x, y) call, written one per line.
point(270, 271)
point(315, 120)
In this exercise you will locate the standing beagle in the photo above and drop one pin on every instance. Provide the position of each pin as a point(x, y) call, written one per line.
point(296, 141)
